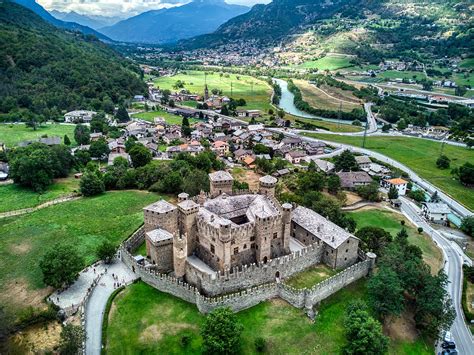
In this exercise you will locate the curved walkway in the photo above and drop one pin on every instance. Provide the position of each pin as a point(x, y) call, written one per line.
point(39, 207)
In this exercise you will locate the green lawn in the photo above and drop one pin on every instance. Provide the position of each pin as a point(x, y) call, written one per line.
point(467, 63)
point(255, 91)
point(12, 134)
point(14, 197)
point(169, 117)
point(393, 74)
point(390, 221)
point(420, 155)
point(328, 63)
point(83, 223)
point(310, 277)
point(141, 249)
point(146, 321)
point(330, 126)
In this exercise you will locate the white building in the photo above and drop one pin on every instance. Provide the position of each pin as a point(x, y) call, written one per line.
point(79, 116)
point(399, 184)
point(435, 212)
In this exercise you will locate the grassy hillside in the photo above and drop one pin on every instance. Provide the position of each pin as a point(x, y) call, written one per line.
point(12, 134)
point(44, 70)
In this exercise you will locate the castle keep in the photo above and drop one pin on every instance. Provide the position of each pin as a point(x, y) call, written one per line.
point(223, 241)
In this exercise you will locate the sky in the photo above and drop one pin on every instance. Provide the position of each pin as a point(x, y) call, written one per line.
point(122, 8)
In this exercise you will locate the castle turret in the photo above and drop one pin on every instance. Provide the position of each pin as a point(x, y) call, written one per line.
point(221, 182)
point(180, 254)
point(286, 226)
point(161, 214)
point(267, 185)
point(263, 234)
point(225, 237)
point(187, 212)
point(183, 196)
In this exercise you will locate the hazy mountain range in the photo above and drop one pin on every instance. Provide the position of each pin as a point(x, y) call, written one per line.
point(93, 21)
point(170, 25)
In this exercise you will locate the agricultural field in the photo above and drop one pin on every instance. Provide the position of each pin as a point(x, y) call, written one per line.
point(256, 92)
point(26, 238)
point(12, 134)
point(328, 125)
point(144, 320)
point(14, 197)
point(169, 117)
point(327, 97)
point(391, 222)
point(329, 62)
point(420, 155)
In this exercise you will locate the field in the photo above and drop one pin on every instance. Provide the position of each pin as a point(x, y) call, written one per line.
point(82, 223)
point(420, 155)
point(330, 126)
point(390, 221)
point(310, 277)
point(146, 321)
point(467, 63)
point(256, 92)
point(328, 63)
point(169, 117)
point(14, 197)
point(12, 134)
point(327, 97)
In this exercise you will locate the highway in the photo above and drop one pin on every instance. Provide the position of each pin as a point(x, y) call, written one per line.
point(453, 260)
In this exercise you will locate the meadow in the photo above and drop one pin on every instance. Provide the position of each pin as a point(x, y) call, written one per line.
point(256, 92)
point(329, 62)
point(328, 98)
point(391, 222)
point(146, 321)
point(14, 197)
point(12, 134)
point(420, 155)
point(82, 223)
point(169, 117)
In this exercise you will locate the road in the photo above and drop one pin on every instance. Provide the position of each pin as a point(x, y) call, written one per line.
point(454, 258)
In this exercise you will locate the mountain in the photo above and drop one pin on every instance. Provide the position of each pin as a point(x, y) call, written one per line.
point(172, 24)
point(360, 27)
point(93, 21)
point(45, 70)
point(72, 26)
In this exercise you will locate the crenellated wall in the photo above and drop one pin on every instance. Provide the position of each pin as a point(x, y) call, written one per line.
point(248, 296)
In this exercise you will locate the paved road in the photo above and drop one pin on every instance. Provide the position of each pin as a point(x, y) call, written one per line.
point(94, 312)
point(454, 258)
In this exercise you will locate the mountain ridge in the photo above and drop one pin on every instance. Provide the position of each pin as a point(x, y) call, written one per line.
point(172, 24)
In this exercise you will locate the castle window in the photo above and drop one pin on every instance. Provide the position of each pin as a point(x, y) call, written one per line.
point(327, 253)
point(252, 238)
point(347, 242)
point(332, 251)
point(345, 259)
point(236, 251)
point(347, 250)
point(275, 235)
point(252, 245)
point(213, 250)
point(213, 239)
point(232, 242)
point(294, 235)
point(245, 246)
point(256, 247)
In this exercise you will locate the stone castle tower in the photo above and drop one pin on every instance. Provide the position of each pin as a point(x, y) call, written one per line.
point(221, 183)
point(267, 185)
point(180, 253)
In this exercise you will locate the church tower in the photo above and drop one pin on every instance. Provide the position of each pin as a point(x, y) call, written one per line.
point(206, 93)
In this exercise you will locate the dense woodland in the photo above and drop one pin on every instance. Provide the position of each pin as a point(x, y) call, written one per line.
point(45, 70)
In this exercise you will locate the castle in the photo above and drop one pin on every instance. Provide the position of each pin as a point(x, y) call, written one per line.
point(211, 241)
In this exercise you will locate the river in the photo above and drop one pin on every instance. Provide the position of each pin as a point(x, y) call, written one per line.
point(287, 104)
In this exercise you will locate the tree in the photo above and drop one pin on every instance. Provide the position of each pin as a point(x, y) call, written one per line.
point(346, 162)
point(467, 225)
point(460, 90)
point(311, 181)
point(122, 114)
point(435, 197)
point(364, 333)
point(417, 195)
point(140, 155)
point(386, 293)
point(185, 127)
point(82, 134)
point(91, 183)
point(99, 149)
point(72, 337)
point(392, 193)
point(32, 121)
point(82, 157)
point(420, 230)
point(466, 174)
point(60, 265)
point(402, 124)
point(443, 162)
point(67, 141)
point(369, 192)
point(221, 332)
point(195, 182)
point(374, 239)
point(334, 184)
point(106, 251)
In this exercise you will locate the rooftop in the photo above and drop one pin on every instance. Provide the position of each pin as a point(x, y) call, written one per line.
point(161, 206)
point(397, 181)
point(324, 229)
point(437, 207)
point(267, 179)
point(220, 176)
point(159, 235)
